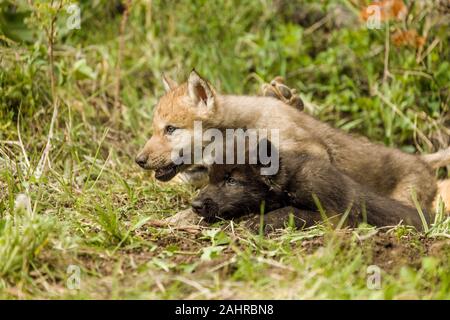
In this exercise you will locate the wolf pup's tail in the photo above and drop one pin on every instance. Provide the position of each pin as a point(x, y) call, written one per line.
point(438, 159)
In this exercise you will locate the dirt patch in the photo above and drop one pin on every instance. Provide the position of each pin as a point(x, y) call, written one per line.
point(313, 244)
point(390, 252)
point(181, 250)
point(386, 250)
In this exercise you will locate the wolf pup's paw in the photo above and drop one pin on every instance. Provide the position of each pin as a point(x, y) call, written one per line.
point(278, 90)
point(184, 218)
point(197, 176)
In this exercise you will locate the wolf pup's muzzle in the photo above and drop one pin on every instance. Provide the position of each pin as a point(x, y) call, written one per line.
point(207, 208)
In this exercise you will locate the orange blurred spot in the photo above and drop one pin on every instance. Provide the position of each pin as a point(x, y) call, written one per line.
point(408, 38)
point(387, 9)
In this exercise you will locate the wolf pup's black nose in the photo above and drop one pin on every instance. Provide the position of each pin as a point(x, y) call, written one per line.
point(141, 160)
point(197, 205)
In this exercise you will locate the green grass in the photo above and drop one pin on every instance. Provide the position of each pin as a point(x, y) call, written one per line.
point(91, 206)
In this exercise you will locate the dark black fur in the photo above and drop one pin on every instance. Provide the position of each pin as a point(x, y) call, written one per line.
point(236, 190)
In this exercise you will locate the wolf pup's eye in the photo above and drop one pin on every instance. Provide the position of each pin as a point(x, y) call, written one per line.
point(169, 129)
point(231, 181)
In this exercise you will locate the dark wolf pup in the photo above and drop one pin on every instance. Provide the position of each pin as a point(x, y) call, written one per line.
point(239, 189)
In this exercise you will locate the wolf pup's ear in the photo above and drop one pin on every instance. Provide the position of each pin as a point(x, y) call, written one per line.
point(168, 83)
point(199, 91)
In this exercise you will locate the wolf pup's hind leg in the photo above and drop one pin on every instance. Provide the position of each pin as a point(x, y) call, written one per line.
point(278, 90)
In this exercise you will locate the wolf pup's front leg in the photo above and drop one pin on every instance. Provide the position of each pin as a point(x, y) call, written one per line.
point(183, 218)
point(281, 218)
